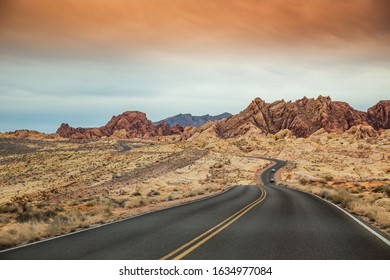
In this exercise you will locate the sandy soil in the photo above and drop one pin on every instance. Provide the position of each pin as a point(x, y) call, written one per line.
point(49, 187)
point(354, 173)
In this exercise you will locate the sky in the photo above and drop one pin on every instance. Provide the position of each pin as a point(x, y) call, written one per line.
point(83, 61)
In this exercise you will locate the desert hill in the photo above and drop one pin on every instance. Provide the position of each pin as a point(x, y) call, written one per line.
point(30, 134)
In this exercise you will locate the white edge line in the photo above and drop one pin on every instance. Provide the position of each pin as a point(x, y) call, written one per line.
point(117, 221)
point(382, 238)
point(385, 240)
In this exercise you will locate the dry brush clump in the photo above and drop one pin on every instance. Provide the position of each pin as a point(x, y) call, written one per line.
point(373, 206)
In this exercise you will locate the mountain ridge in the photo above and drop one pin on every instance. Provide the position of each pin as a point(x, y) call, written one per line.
point(302, 117)
point(190, 120)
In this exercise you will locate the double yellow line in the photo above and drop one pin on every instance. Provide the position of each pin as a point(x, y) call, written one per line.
point(187, 248)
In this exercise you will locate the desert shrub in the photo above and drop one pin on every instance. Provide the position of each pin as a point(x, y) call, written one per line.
point(122, 192)
point(327, 187)
point(153, 193)
point(107, 211)
point(59, 224)
point(190, 193)
point(136, 202)
point(371, 215)
point(131, 204)
point(328, 178)
point(382, 189)
point(199, 191)
point(38, 216)
point(8, 208)
point(337, 183)
point(303, 181)
point(323, 194)
point(119, 202)
point(341, 197)
point(387, 191)
point(116, 176)
point(144, 202)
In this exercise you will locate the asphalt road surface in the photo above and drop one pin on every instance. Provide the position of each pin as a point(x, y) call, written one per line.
point(245, 222)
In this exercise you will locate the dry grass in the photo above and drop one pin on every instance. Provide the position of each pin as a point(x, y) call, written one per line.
point(51, 187)
point(48, 188)
point(35, 226)
point(371, 206)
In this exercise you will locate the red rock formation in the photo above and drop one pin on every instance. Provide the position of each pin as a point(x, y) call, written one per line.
point(177, 129)
point(136, 125)
point(188, 132)
point(302, 117)
point(379, 115)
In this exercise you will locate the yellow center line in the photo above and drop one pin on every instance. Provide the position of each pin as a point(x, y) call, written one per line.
point(221, 227)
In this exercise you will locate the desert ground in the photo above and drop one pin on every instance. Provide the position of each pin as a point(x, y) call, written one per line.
point(53, 186)
point(351, 170)
point(50, 187)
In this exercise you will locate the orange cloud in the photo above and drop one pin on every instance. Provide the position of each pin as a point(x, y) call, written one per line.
point(127, 24)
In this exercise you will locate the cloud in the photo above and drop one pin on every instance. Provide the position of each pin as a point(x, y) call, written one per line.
point(83, 61)
point(95, 27)
point(46, 93)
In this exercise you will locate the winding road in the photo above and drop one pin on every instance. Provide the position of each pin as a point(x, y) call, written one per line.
point(245, 222)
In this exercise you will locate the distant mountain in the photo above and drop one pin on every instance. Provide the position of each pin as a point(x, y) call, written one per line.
point(190, 120)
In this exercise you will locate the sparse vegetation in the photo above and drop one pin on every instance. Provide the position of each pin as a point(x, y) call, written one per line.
point(365, 206)
point(328, 178)
point(53, 187)
point(303, 181)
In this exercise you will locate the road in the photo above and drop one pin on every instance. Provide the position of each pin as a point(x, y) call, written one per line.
point(245, 222)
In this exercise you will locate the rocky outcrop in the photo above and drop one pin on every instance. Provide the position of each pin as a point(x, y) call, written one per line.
point(362, 132)
point(190, 120)
point(285, 133)
point(302, 117)
point(188, 132)
point(126, 125)
point(379, 115)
